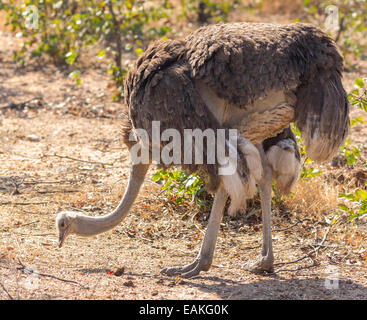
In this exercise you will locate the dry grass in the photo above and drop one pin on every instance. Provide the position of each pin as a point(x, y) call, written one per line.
point(315, 198)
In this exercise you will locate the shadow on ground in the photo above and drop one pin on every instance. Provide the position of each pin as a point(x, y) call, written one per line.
point(270, 287)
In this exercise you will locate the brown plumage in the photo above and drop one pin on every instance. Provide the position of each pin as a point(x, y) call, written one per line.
point(242, 63)
point(159, 88)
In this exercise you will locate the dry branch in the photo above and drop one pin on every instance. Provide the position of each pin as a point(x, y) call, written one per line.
point(21, 105)
point(34, 235)
point(300, 268)
point(23, 267)
point(75, 159)
point(293, 225)
point(195, 225)
point(22, 203)
point(57, 191)
point(6, 291)
point(308, 254)
point(47, 182)
point(26, 224)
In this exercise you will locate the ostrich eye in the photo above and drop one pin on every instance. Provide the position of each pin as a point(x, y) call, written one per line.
point(62, 224)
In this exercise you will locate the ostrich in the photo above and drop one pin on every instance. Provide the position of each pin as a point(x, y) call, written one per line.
point(254, 77)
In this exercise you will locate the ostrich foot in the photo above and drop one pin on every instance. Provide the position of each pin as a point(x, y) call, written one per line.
point(264, 264)
point(188, 271)
point(204, 258)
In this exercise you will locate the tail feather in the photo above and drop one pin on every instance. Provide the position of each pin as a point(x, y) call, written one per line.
point(322, 114)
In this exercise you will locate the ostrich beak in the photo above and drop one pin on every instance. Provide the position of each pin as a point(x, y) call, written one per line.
point(61, 240)
point(62, 237)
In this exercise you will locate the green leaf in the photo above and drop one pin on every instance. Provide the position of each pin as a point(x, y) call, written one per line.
point(70, 57)
point(308, 160)
point(74, 74)
point(156, 176)
point(357, 120)
point(101, 54)
point(343, 207)
point(362, 194)
point(359, 82)
point(139, 51)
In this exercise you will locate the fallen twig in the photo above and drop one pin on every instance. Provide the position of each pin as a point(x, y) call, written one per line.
point(64, 280)
point(48, 182)
point(23, 155)
point(34, 235)
point(21, 105)
point(23, 267)
point(301, 268)
point(21, 203)
point(309, 253)
point(187, 252)
point(57, 191)
point(75, 159)
point(145, 239)
point(196, 226)
point(26, 224)
point(255, 247)
point(293, 225)
point(6, 291)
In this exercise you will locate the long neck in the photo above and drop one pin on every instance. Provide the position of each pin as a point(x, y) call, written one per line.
point(89, 226)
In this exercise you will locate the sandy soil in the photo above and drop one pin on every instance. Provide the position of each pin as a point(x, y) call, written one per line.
point(63, 150)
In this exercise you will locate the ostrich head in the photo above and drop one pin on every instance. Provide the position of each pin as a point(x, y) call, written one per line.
point(70, 222)
point(66, 223)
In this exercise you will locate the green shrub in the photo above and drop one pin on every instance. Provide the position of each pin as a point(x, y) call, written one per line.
point(357, 200)
point(67, 27)
point(357, 203)
point(352, 27)
point(180, 186)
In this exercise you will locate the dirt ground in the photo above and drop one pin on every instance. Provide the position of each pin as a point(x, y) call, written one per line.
point(63, 150)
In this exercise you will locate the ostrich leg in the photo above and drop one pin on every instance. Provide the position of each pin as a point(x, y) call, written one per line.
point(266, 259)
point(205, 257)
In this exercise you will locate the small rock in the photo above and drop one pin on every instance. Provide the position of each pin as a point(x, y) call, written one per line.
point(129, 284)
point(119, 272)
point(61, 105)
point(33, 138)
